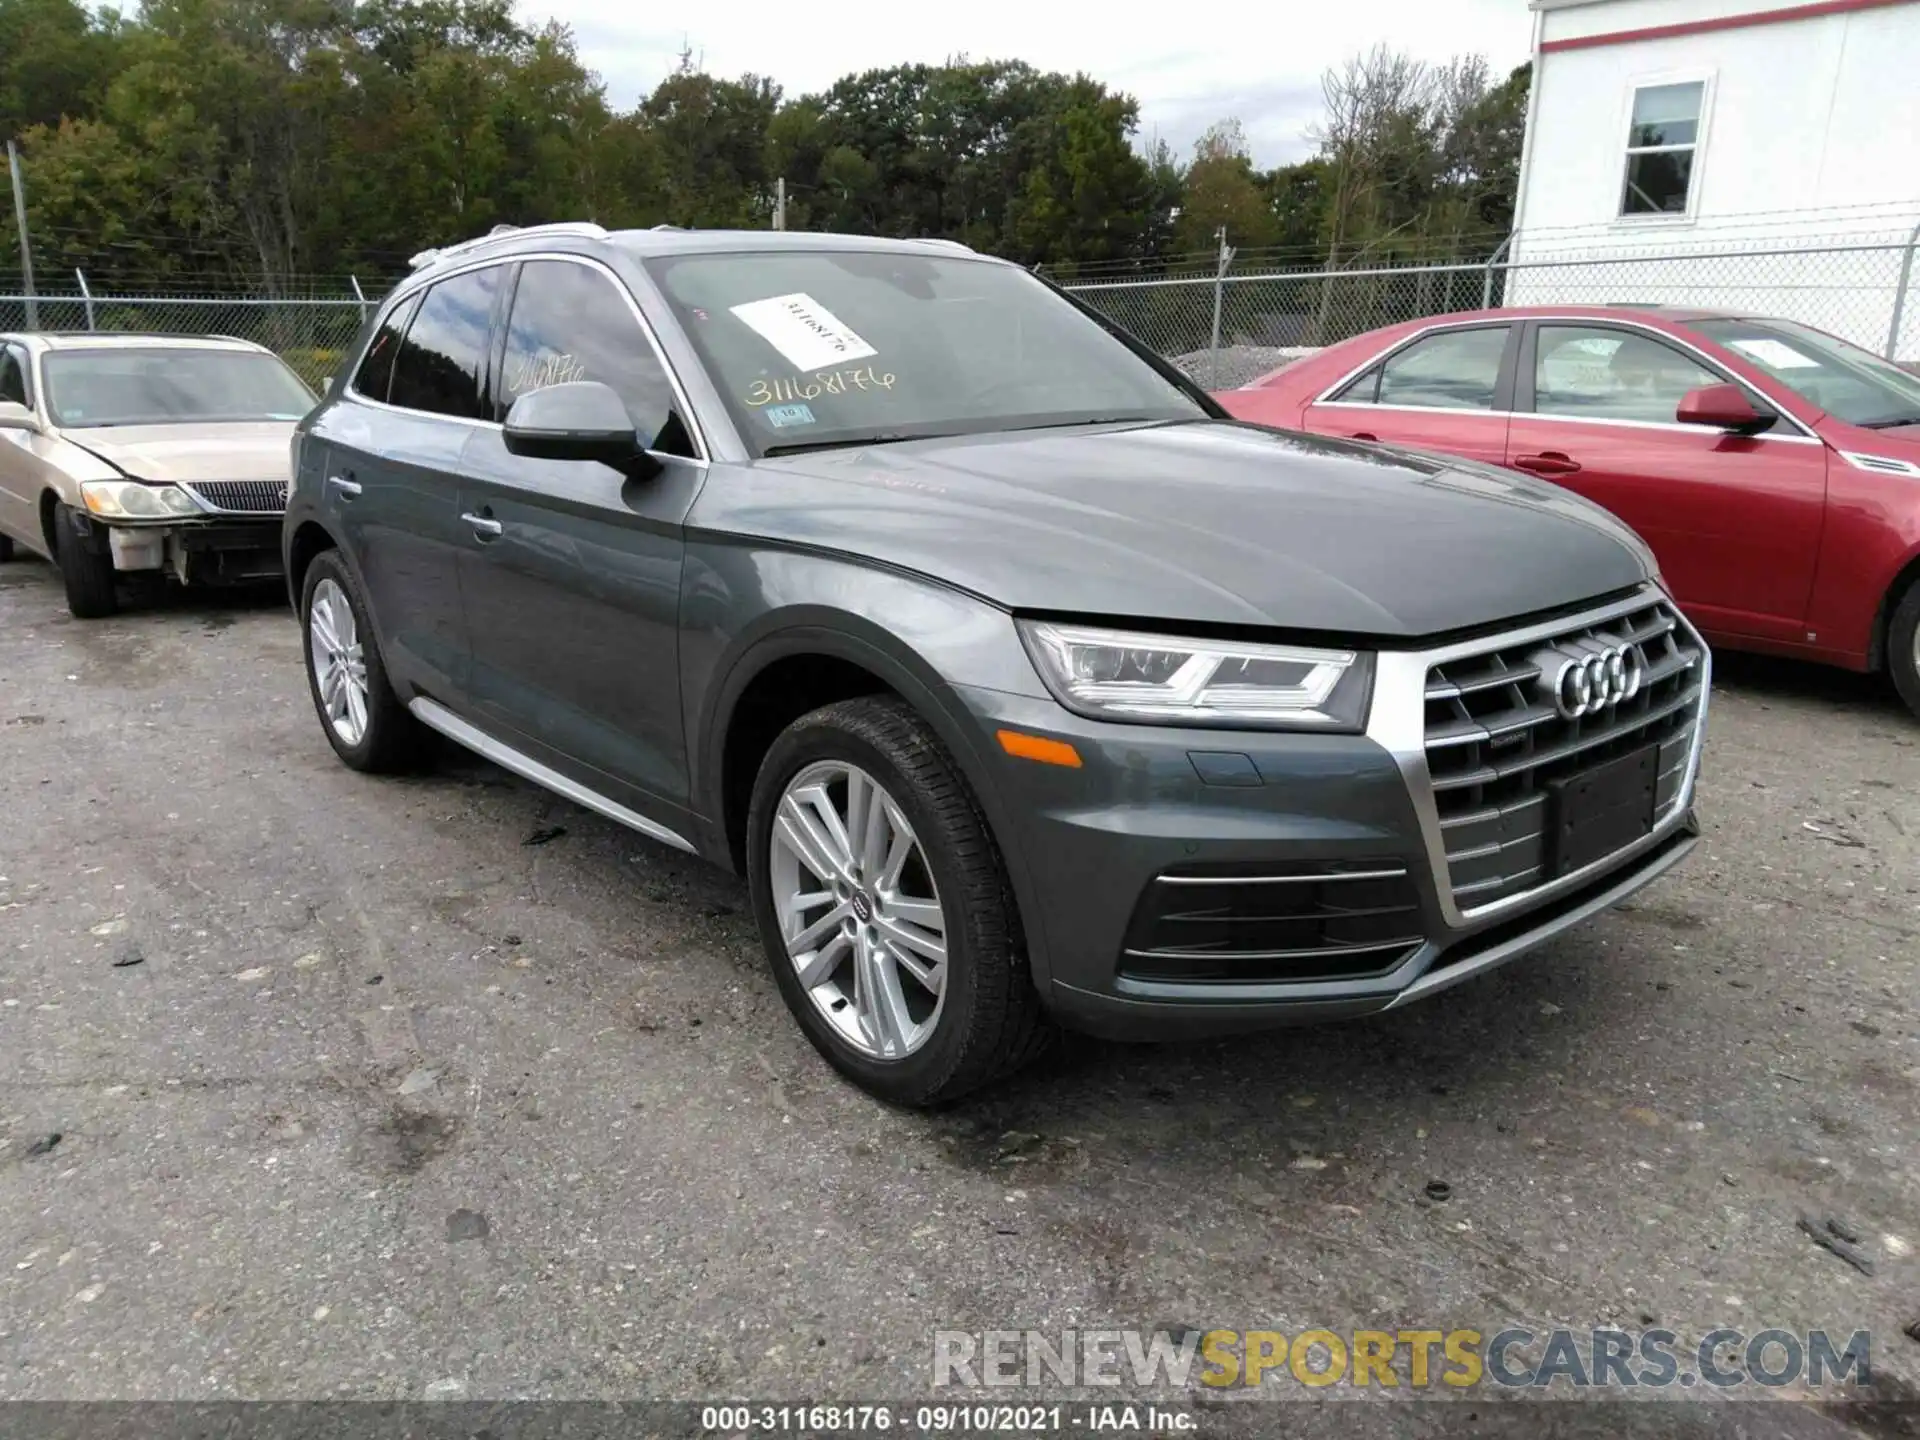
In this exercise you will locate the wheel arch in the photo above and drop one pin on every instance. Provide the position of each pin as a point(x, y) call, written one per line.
point(1904, 579)
point(49, 508)
point(835, 648)
point(309, 540)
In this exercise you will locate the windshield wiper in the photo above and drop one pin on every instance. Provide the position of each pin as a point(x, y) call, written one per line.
point(1100, 420)
point(802, 447)
point(1891, 421)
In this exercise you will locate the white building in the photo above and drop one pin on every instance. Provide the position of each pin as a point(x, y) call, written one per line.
point(1769, 151)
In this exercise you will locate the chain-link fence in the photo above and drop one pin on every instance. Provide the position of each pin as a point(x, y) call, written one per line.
point(1228, 328)
point(311, 333)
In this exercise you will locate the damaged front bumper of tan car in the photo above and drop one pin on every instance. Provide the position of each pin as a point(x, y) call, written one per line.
point(151, 527)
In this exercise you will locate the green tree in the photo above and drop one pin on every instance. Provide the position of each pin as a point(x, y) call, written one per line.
point(1006, 158)
point(1088, 192)
point(1223, 192)
point(1298, 196)
point(712, 138)
point(197, 141)
point(56, 57)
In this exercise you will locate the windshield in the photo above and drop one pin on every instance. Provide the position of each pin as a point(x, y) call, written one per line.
point(1845, 381)
point(166, 386)
point(812, 349)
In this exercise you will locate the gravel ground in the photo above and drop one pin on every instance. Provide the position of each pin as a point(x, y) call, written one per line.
point(361, 1093)
point(1236, 365)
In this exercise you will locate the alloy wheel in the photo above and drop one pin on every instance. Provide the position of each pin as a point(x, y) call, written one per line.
point(339, 664)
point(859, 912)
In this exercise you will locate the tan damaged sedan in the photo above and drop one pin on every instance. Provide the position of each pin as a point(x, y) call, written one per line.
point(162, 455)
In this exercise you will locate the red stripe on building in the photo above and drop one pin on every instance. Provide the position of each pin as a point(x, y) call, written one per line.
point(1722, 22)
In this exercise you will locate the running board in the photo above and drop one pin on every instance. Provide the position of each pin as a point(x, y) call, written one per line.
point(437, 717)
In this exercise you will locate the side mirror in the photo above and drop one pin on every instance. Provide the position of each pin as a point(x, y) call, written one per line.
point(15, 416)
point(1722, 407)
point(578, 420)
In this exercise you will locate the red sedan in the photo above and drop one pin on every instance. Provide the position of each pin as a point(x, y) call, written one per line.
point(1774, 469)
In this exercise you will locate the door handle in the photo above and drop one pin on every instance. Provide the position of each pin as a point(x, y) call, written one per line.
point(348, 488)
point(1549, 462)
point(1364, 435)
point(485, 527)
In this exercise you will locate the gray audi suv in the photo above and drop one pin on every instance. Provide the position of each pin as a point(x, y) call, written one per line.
point(1025, 687)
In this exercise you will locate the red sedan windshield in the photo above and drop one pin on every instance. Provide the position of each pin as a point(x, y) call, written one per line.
point(1845, 381)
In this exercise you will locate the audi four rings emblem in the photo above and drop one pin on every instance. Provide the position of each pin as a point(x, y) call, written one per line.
point(1587, 676)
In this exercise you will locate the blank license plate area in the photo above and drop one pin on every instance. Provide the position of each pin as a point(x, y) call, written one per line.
point(1601, 810)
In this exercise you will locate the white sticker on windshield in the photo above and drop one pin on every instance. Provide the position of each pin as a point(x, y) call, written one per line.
point(1775, 354)
point(803, 330)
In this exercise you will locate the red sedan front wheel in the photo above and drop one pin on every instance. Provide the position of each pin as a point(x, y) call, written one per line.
point(1903, 647)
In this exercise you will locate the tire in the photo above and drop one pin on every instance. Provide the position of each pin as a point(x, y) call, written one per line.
point(373, 731)
point(6, 548)
point(1903, 647)
point(987, 1018)
point(87, 572)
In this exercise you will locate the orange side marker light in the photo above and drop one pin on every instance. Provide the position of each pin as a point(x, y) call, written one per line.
point(1038, 747)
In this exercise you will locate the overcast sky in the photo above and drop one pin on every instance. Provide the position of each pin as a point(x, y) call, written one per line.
point(1187, 66)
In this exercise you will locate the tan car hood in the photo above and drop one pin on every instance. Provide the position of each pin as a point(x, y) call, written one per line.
point(242, 451)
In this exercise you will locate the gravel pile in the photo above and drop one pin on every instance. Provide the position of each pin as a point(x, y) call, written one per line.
point(1238, 363)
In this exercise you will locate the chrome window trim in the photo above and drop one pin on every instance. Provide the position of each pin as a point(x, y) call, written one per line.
point(426, 281)
point(1379, 356)
point(1583, 321)
point(1398, 725)
point(464, 421)
point(1410, 409)
point(1667, 425)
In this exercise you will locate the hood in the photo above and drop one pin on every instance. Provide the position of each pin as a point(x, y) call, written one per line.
point(249, 450)
point(1209, 522)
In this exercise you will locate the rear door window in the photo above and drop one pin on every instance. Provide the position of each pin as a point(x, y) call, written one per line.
point(374, 378)
point(442, 362)
point(1454, 370)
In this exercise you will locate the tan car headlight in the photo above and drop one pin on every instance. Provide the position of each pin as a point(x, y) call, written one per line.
point(137, 500)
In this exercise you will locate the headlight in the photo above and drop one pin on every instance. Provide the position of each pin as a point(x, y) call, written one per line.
point(136, 500)
point(1117, 675)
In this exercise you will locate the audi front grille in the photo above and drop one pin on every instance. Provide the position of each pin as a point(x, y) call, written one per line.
point(1606, 710)
point(243, 497)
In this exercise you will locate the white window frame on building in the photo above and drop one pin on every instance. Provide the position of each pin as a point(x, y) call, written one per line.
point(1693, 148)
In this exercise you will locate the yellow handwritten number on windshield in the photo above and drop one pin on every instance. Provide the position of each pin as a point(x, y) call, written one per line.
point(811, 387)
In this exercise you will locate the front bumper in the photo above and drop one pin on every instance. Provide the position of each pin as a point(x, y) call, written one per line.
point(1349, 820)
point(195, 552)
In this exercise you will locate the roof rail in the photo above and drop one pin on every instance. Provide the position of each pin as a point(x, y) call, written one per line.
point(584, 228)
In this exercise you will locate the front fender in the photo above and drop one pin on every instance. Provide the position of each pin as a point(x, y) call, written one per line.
point(743, 608)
